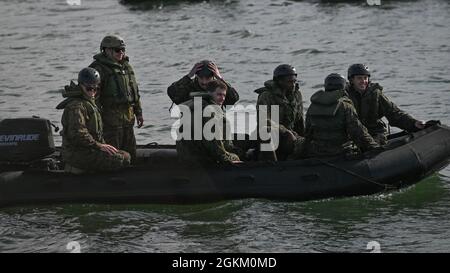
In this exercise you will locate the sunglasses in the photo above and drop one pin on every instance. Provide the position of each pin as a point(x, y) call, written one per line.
point(91, 87)
point(119, 49)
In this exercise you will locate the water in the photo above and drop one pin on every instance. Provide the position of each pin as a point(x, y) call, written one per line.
point(406, 43)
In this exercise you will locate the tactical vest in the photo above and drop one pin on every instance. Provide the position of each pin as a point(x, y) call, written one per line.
point(327, 122)
point(367, 108)
point(119, 84)
point(96, 117)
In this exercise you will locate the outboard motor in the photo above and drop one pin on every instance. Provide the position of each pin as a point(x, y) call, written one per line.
point(24, 140)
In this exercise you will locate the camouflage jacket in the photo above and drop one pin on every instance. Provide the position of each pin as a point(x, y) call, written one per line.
point(373, 105)
point(118, 99)
point(182, 90)
point(81, 120)
point(290, 106)
point(218, 150)
point(331, 125)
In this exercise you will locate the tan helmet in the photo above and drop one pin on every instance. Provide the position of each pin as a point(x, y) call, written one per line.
point(112, 41)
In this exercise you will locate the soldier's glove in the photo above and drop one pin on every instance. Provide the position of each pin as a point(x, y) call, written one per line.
point(432, 123)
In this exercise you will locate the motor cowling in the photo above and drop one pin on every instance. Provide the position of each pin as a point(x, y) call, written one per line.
point(25, 139)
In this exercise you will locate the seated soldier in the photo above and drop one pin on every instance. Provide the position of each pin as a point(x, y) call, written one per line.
point(282, 91)
point(83, 146)
point(218, 149)
point(372, 105)
point(332, 125)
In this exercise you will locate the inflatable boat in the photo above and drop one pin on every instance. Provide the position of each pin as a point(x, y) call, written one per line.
point(28, 178)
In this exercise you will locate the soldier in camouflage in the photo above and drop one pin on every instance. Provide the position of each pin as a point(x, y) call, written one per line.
point(372, 105)
point(196, 82)
point(332, 125)
point(218, 151)
point(283, 91)
point(119, 99)
point(83, 147)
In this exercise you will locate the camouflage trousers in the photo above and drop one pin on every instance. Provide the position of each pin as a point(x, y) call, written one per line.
point(121, 138)
point(96, 160)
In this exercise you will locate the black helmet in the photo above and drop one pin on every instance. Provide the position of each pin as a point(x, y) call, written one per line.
point(88, 76)
point(205, 71)
point(334, 81)
point(284, 70)
point(357, 69)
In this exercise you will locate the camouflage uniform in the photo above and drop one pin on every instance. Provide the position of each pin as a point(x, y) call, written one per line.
point(208, 151)
point(373, 105)
point(181, 91)
point(82, 134)
point(290, 114)
point(290, 106)
point(331, 124)
point(119, 102)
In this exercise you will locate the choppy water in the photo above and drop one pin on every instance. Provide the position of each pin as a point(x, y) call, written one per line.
point(45, 43)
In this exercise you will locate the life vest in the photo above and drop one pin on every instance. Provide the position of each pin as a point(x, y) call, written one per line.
point(119, 84)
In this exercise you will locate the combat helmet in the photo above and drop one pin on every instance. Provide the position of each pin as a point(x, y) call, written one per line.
point(357, 69)
point(334, 81)
point(89, 76)
point(284, 70)
point(112, 41)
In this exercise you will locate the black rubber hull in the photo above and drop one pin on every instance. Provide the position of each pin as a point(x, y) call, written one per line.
point(163, 180)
